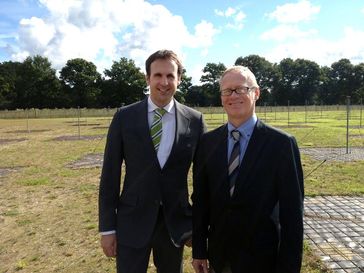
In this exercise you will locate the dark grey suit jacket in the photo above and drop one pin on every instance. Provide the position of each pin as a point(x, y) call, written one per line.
point(259, 228)
point(132, 209)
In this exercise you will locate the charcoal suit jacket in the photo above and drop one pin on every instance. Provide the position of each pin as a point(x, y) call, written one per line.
point(131, 206)
point(259, 229)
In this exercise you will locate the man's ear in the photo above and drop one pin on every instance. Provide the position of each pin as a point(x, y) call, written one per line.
point(256, 94)
point(147, 78)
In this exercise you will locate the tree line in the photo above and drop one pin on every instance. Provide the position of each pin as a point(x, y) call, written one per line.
point(33, 83)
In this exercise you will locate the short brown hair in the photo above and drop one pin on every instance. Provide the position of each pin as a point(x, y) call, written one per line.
point(165, 55)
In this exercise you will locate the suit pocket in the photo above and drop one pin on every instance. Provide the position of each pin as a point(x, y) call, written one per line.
point(127, 205)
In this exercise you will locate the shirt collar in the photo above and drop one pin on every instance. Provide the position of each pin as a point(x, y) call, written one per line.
point(245, 129)
point(169, 107)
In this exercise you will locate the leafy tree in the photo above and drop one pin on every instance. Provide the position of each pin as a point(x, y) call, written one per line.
point(124, 84)
point(210, 83)
point(300, 80)
point(81, 82)
point(31, 84)
point(342, 77)
point(358, 92)
point(266, 74)
point(184, 87)
point(195, 96)
point(9, 75)
point(287, 82)
point(308, 79)
point(40, 83)
point(324, 93)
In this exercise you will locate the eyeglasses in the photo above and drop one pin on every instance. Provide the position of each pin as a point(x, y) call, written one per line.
point(239, 90)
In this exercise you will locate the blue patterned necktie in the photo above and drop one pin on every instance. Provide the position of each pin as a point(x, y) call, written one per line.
point(234, 161)
point(156, 128)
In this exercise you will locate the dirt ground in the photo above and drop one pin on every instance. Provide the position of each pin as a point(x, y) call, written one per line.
point(73, 138)
point(335, 154)
point(88, 161)
point(5, 171)
point(26, 131)
point(5, 141)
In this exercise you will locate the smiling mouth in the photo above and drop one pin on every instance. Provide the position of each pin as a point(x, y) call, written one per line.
point(234, 103)
point(163, 91)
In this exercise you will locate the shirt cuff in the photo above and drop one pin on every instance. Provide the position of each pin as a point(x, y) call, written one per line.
point(108, 232)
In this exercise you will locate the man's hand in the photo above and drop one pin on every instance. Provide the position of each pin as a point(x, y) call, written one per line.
point(108, 244)
point(200, 266)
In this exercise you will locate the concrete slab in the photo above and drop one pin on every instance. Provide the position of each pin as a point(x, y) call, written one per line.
point(334, 227)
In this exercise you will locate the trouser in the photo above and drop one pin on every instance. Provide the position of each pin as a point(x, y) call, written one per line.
point(166, 256)
point(226, 269)
point(245, 262)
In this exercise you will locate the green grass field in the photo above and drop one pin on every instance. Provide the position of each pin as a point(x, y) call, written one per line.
point(48, 211)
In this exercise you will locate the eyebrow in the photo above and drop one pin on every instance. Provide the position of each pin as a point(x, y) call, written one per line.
point(160, 74)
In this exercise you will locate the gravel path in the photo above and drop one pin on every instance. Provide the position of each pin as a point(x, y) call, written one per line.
point(335, 154)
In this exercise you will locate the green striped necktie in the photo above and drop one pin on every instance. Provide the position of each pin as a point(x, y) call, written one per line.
point(156, 128)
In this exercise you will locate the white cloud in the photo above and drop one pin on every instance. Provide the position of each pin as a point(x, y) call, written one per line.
point(235, 14)
point(238, 21)
point(294, 12)
point(20, 55)
point(227, 13)
point(204, 32)
point(352, 45)
point(44, 32)
point(323, 52)
point(293, 42)
point(285, 32)
point(105, 30)
point(240, 16)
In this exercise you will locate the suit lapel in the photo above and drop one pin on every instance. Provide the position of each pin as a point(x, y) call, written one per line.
point(182, 130)
point(141, 121)
point(252, 153)
point(182, 124)
point(221, 159)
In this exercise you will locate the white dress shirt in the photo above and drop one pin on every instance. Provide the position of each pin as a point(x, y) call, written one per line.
point(168, 129)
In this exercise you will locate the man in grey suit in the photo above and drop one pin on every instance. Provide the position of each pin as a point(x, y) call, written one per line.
point(247, 189)
point(156, 139)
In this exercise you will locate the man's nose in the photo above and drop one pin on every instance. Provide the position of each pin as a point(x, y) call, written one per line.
point(164, 80)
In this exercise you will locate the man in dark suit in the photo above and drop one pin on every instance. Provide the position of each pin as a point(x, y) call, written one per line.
point(156, 139)
point(247, 190)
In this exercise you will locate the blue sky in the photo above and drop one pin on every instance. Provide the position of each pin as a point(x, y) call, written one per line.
point(203, 31)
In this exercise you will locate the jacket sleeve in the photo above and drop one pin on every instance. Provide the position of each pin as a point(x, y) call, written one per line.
point(291, 196)
point(109, 190)
point(200, 205)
